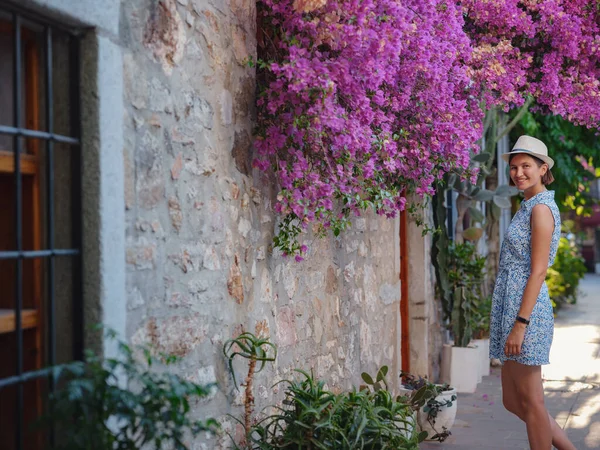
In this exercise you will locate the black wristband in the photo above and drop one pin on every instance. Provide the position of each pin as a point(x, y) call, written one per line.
point(522, 320)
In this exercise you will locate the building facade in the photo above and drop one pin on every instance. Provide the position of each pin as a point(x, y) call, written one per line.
point(142, 212)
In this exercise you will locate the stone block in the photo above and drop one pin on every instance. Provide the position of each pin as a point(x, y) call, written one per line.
point(175, 335)
point(389, 293)
point(290, 280)
point(211, 261)
point(226, 104)
point(175, 213)
point(241, 152)
point(176, 167)
point(286, 327)
point(165, 34)
point(141, 254)
point(234, 282)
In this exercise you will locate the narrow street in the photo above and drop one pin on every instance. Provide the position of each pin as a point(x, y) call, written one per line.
point(572, 385)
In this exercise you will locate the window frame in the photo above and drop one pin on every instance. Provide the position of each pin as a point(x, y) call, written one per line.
point(22, 165)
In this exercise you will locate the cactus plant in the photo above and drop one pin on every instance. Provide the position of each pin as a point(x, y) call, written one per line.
point(466, 275)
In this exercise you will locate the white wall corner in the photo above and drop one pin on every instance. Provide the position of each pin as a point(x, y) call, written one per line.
point(420, 293)
point(103, 187)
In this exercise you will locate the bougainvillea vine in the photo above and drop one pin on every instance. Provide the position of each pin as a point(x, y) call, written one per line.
point(365, 101)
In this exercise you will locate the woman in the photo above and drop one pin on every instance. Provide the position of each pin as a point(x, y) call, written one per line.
point(522, 321)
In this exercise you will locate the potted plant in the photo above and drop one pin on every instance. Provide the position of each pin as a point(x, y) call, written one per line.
point(435, 404)
point(461, 362)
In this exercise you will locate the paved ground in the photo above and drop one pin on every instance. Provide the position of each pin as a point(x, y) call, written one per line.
point(572, 385)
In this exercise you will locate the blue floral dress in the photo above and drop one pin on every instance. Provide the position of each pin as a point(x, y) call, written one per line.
point(513, 274)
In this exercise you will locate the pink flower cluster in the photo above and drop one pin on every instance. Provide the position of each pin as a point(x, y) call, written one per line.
point(366, 101)
point(545, 48)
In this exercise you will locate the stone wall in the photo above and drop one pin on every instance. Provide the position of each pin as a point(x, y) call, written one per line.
point(200, 220)
point(177, 226)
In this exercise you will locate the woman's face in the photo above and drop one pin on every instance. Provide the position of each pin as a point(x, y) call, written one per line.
point(525, 172)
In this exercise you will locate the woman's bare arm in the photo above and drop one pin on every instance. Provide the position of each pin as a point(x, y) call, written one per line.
point(542, 227)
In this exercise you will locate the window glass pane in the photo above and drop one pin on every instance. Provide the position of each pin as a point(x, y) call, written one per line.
point(6, 80)
point(63, 308)
point(32, 79)
point(62, 82)
point(64, 195)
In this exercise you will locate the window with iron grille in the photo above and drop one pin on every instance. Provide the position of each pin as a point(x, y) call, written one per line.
point(40, 245)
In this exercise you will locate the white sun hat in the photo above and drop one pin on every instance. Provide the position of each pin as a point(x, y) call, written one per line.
point(530, 146)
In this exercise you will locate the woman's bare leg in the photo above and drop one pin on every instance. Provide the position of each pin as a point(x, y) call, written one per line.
point(514, 401)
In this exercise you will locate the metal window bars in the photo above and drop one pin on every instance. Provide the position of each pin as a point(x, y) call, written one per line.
point(18, 131)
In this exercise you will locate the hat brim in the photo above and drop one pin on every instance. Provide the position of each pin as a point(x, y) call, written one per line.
point(546, 159)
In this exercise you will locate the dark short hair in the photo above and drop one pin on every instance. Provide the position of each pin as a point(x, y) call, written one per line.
point(547, 178)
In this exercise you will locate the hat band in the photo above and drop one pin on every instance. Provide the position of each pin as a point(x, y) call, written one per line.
point(526, 151)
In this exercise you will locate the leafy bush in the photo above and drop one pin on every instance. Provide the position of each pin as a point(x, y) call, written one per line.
point(564, 276)
point(315, 418)
point(93, 408)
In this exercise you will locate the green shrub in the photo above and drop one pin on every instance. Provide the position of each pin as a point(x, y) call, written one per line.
point(314, 418)
point(564, 276)
point(123, 403)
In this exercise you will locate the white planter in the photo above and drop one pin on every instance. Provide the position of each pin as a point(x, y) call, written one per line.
point(461, 367)
point(475, 343)
point(484, 347)
point(445, 417)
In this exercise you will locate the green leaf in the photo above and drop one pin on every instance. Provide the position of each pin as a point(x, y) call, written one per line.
point(502, 202)
point(367, 378)
point(484, 195)
point(505, 190)
point(482, 157)
point(473, 233)
point(382, 373)
point(476, 215)
point(496, 211)
point(422, 436)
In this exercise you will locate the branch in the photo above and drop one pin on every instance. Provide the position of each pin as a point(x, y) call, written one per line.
point(408, 7)
point(489, 118)
point(516, 119)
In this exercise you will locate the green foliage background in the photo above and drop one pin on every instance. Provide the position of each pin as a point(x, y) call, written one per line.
point(564, 276)
point(568, 145)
